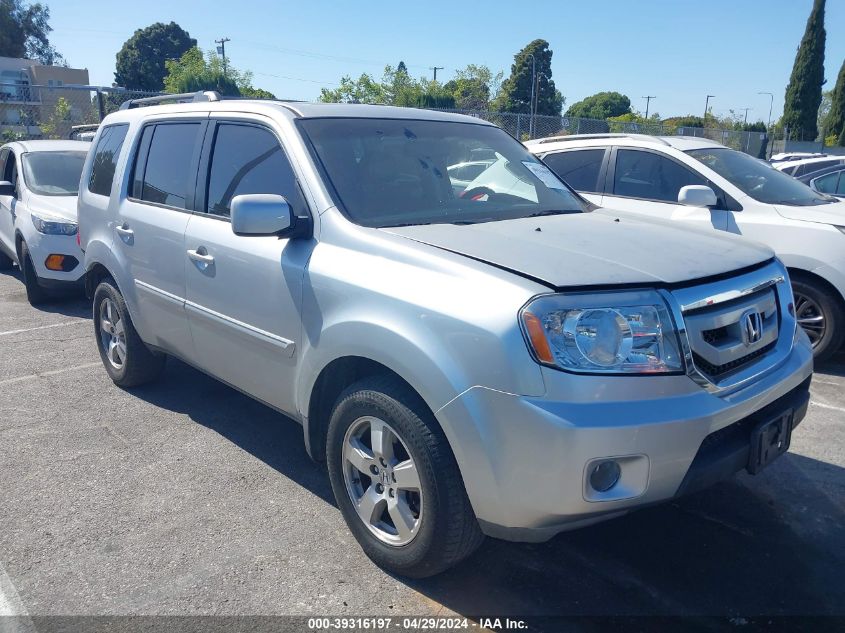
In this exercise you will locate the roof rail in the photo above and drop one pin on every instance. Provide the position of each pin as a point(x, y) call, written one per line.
point(187, 97)
point(85, 127)
point(579, 137)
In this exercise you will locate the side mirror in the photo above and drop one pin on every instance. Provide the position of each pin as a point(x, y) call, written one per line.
point(7, 188)
point(260, 214)
point(697, 196)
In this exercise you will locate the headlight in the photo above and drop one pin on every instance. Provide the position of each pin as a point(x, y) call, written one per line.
point(53, 226)
point(603, 333)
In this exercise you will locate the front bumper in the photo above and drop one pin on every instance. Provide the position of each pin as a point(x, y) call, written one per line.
point(41, 246)
point(524, 460)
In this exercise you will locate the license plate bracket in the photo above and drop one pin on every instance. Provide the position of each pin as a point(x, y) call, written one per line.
point(769, 440)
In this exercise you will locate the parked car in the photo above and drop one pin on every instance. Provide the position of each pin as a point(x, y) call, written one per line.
point(38, 186)
point(499, 362)
point(705, 184)
point(788, 156)
point(829, 180)
point(798, 168)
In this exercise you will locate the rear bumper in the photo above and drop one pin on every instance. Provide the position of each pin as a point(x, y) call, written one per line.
point(525, 461)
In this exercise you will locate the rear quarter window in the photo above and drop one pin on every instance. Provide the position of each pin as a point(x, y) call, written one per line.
point(105, 159)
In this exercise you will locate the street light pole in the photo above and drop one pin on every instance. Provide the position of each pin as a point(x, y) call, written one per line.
point(222, 50)
point(771, 103)
point(647, 101)
point(706, 105)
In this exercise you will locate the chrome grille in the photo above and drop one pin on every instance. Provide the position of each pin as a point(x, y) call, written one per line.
point(737, 328)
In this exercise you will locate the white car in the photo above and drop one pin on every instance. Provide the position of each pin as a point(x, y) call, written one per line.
point(39, 181)
point(708, 185)
point(806, 166)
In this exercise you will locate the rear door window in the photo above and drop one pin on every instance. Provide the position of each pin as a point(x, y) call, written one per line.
point(167, 173)
point(578, 168)
point(826, 184)
point(649, 176)
point(105, 159)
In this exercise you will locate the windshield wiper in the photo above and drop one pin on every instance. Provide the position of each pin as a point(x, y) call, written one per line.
point(396, 226)
point(553, 212)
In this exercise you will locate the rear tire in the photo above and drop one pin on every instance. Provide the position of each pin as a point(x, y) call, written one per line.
point(6, 262)
point(127, 359)
point(440, 528)
point(819, 311)
point(35, 294)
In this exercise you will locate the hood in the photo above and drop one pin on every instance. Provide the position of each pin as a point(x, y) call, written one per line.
point(57, 206)
point(598, 248)
point(833, 213)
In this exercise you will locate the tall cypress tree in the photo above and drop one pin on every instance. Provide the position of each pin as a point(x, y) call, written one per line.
point(836, 117)
point(515, 95)
point(804, 92)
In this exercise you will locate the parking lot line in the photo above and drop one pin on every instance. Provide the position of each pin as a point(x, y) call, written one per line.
point(46, 374)
point(43, 327)
point(10, 601)
point(816, 403)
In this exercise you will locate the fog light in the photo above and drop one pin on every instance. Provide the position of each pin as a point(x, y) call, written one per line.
point(55, 262)
point(605, 475)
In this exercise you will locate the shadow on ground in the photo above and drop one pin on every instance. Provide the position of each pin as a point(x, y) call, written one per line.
point(71, 303)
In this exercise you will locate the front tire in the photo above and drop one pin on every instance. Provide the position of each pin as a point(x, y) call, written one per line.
point(35, 294)
point(128, 361)
point(396, 481)
point(819, 312)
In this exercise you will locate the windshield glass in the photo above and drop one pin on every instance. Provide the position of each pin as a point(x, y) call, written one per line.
point(760, 181)
point(53, 173)
point(396, 172)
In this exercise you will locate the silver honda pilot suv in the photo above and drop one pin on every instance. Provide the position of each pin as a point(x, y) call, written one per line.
point(494, 357)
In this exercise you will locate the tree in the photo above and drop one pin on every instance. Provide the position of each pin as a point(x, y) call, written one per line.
point(601, 105)
point(474, 87)
point(804, 91)
point(515, 95)
point(24, 31)
point(402, 68)
point(194, 71)
point(684, 121)
point(395, 88)
point(141, 62)
point(59, 118)
point(834, 123)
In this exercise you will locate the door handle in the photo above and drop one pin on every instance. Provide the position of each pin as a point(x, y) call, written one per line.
point(125, 233)
point(201, 258)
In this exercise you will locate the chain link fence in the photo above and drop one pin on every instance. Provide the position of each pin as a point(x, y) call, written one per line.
point(29, 111)
point(37, 112)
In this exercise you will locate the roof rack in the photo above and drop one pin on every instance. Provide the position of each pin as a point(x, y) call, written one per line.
point(579, 137)
point(187, 97)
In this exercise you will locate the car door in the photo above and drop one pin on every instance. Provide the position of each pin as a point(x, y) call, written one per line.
point(150, 229)
point(582, 169)
point(244, 293)
point(8, 172)
point(647, 182)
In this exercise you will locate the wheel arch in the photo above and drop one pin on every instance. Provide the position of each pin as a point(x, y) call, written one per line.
point(811, 276)
point(333, 379)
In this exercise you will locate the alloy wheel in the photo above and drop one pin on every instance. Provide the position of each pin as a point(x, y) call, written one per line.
point(810, 317)
point(382, 481)
point(112, 334)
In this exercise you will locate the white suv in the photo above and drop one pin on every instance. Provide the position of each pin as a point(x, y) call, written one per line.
point(496, 358)
point(38, 186)
point(708, 185)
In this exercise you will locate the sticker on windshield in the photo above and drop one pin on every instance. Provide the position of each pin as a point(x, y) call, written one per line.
point(544, 174)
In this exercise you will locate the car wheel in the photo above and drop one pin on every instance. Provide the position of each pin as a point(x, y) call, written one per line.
point(819, 312)
point(396, 481)
point(128, 361)
point(35, 294)
point(6, 262)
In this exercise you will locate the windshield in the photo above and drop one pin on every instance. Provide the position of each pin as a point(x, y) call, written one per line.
point(53, 173)
point(760, 181)
point(397, 172)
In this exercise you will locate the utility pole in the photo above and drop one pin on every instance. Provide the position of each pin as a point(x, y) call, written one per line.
point(746, 114)
point(771, 103)
point(435, 69)
point(706, 105)
point(647, 102)
point(221, 50)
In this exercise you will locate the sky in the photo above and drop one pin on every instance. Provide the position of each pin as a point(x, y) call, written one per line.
point(677, 50)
